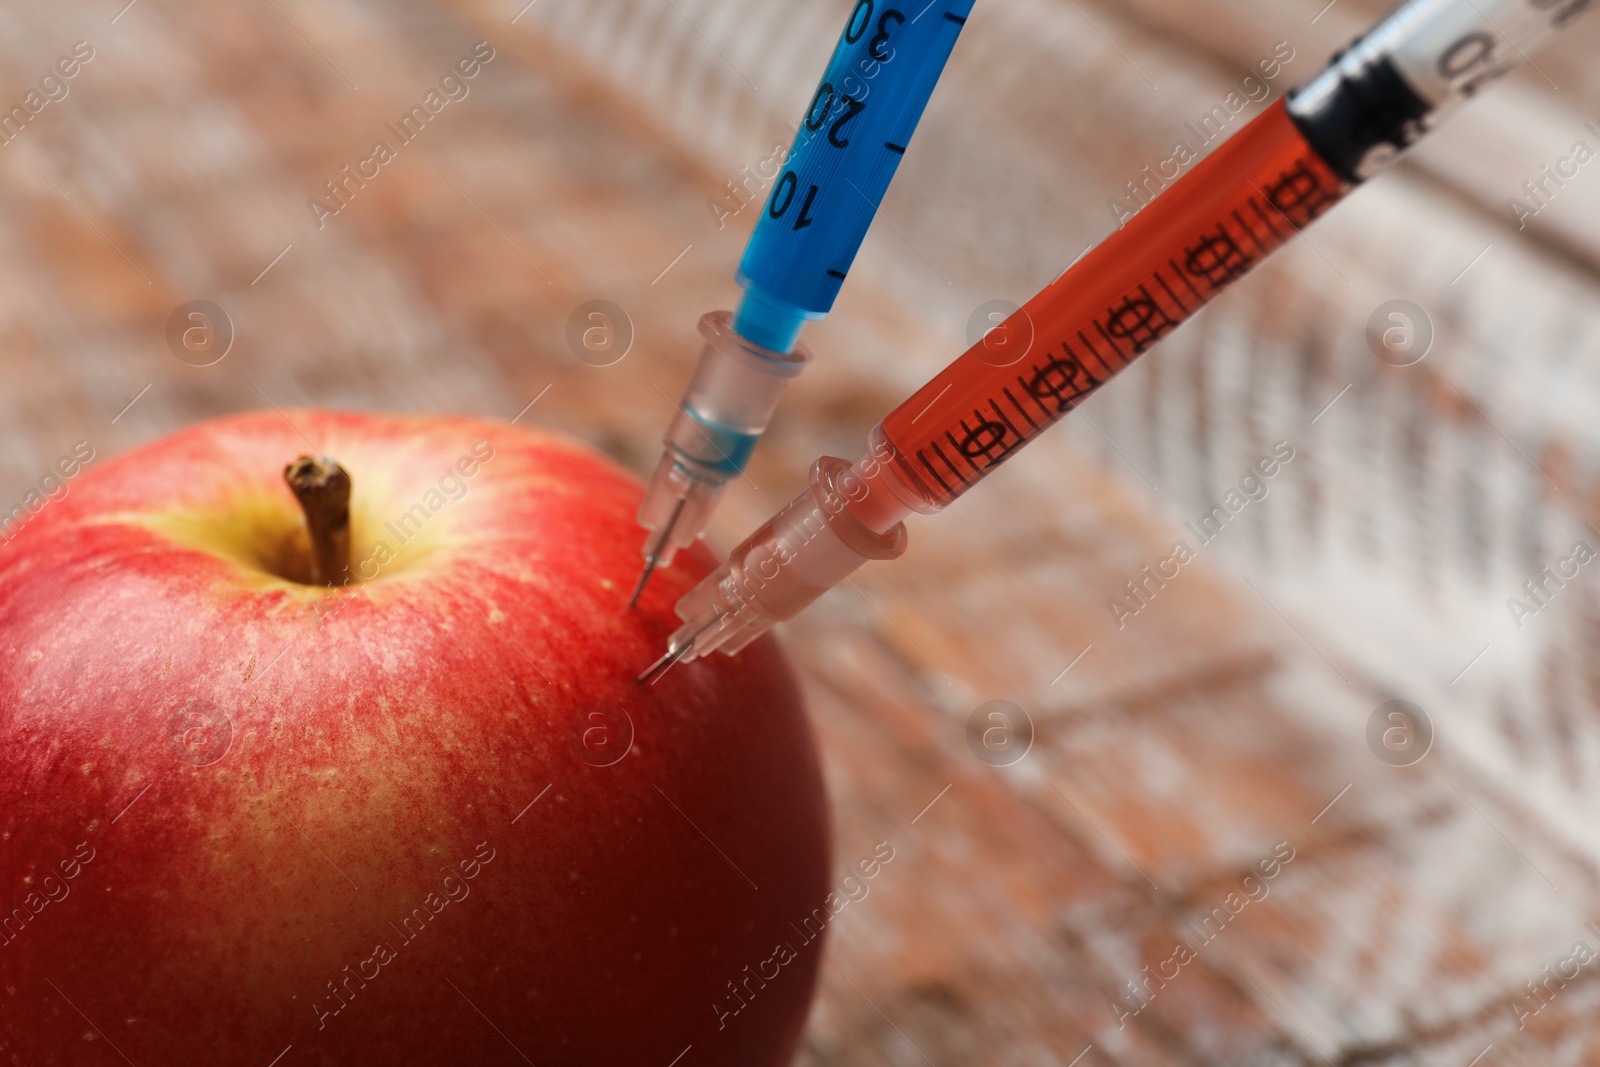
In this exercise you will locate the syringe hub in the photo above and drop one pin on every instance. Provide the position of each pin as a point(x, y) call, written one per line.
point(725, 409)
point(813, 544)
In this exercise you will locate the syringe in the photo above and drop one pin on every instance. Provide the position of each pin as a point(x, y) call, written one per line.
point(1250, 196)
point(850, 140)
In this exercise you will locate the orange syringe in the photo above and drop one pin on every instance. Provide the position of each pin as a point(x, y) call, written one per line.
point(1238, 205)
point(1254, 193)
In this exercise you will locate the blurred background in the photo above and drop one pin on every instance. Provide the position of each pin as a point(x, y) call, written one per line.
point(1430, 871)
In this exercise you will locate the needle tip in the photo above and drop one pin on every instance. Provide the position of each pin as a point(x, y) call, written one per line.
point(654, 550)
point(664, 664)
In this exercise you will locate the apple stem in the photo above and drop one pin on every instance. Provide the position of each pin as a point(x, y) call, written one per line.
point(323, 489)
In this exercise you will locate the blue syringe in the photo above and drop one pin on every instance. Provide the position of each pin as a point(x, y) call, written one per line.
point(851, 139)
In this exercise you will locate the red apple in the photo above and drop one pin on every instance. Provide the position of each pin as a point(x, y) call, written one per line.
point(427, 818)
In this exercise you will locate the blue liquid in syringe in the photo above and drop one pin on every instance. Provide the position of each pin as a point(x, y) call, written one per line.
point(853, 136)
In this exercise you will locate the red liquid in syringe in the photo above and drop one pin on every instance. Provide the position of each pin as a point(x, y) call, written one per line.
point(1239, 204)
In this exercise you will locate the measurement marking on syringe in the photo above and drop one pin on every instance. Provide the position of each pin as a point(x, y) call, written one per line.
point(1255, 205)
point(923, 459)
point(957, 471)
point(1184, 277)
point(1006, 390)
point(1095, 352)
point(898, 149)
point(1181, 305)
point(1314, 209)
point(1243, 225)
point(836, 274)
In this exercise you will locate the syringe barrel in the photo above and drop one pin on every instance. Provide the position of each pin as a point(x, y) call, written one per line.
point(1408, 72)
point(1252, 194)
point(811, 545)
point(851, 138)
point(727, 405)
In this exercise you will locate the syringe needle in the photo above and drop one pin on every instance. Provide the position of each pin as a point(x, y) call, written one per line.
point(664, 664)
point(653, 553)
point(680, 645)
point(644, 576)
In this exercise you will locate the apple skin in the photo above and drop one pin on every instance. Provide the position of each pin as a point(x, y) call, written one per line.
point(374, 745)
